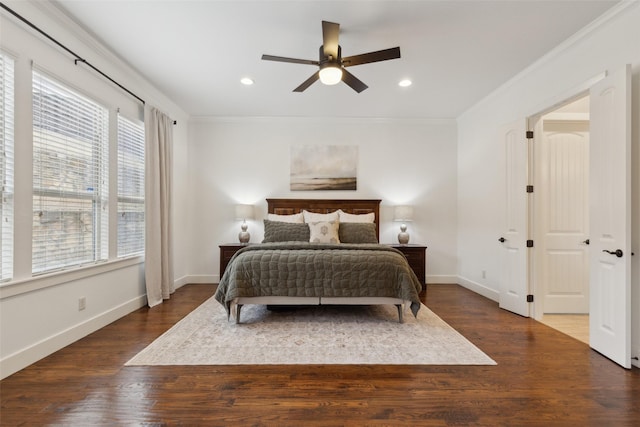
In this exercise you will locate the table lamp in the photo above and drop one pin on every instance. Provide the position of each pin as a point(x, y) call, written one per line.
point(244, 212)
point(403, 214)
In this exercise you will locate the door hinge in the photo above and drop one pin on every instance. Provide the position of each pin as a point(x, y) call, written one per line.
point(529, 298)
point(529, 243)
point(529, 134)
point(529, 188)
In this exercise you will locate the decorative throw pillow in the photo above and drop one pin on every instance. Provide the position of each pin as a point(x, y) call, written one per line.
point(357, 232)
point(347, 217)
point(324, 232)
point(295, 218)
point(277, 231)
point(317, 217)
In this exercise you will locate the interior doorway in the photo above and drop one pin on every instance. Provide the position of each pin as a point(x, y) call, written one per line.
point(561, 218)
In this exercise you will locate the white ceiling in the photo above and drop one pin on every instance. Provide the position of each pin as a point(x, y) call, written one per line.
point(456, 52)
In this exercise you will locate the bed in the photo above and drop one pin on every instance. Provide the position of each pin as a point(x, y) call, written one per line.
point(289, 268)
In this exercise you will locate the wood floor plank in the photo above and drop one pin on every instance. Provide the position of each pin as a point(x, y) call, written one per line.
point(542, 378)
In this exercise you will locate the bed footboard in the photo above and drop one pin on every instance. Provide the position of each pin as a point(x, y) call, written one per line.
point(292, 301)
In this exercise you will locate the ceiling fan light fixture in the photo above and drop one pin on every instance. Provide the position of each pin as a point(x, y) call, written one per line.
point(333, 67)
point(331, 74)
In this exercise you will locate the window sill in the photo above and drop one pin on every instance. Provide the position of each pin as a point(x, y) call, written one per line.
point(30, 284)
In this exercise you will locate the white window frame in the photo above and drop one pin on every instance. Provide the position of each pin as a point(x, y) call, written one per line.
point(7, 126)
point(75, 134)
point(131, 180)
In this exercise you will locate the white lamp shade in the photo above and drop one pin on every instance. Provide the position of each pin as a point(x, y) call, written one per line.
point(403, 213)
point(244, 212)
point(331, 75)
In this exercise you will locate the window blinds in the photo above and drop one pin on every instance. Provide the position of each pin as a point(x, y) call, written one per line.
point(70, 185)
point(130, 187)
point(6, 166)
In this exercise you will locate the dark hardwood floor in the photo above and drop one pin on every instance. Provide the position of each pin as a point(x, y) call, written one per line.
point(542, 378)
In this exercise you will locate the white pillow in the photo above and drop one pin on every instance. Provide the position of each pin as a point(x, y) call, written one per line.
point(324, 232)
point(317, 217)
point(347, 217)
point(295, 218)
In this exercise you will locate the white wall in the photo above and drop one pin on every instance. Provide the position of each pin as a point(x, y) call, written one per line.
point(247, 160)
point(607, 45)
point(40, 315)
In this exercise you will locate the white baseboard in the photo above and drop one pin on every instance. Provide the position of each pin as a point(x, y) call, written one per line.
point(206, 279)
point(479, 288)
point(442, 279)
point(23, 358)
point(201, 278)
point(215, 278)
point(178, 283)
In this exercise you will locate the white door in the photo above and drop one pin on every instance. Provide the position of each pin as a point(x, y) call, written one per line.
point(610, 217)
point(514, 287)
point(563, 218)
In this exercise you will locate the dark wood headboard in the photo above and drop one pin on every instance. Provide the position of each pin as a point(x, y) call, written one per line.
point(352, 206)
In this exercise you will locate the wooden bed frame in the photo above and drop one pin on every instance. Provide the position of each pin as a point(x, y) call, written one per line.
point(352, 206)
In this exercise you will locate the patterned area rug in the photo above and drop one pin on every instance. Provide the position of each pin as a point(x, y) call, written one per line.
point(310, 335)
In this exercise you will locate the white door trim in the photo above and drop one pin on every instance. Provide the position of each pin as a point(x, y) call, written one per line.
point(514, 253)
point(558, 250)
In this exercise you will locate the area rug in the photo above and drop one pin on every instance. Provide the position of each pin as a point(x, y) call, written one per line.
point(310, 335)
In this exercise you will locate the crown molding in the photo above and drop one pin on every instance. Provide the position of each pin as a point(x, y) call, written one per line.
point(49, 16)
point(558, 51)
point(321, 119)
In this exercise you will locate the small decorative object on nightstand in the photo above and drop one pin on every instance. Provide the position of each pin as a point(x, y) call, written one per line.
point(403, 214)
point(244, 212)
point(416, 257)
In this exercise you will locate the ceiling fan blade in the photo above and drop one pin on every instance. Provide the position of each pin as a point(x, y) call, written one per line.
point(293, 60)
point(330, 32)
point(311, 80)
point(365, 58)
point(352, 81)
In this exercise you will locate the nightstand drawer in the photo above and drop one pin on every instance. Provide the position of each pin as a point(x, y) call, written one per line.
point(416, 257)
point(227, 251)
point(413, 256)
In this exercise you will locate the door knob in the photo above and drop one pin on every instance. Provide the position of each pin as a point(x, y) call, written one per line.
point(502, 240)
point(586, 242)
point(617, 252)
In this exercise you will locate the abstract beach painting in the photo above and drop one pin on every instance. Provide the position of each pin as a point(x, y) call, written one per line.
point(324, 167)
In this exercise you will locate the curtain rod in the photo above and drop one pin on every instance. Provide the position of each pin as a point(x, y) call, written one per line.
point(77, 58)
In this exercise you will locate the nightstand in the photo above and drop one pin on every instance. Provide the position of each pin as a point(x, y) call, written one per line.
point(227, 251)
point(416, 256)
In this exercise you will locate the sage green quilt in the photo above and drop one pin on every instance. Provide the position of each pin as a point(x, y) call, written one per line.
point(302, 269)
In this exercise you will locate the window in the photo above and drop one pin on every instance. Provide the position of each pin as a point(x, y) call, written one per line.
point(6, 167)
point(130, 187)
point(70, 185)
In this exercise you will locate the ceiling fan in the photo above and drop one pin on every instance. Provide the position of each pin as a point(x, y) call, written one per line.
point(332, 64)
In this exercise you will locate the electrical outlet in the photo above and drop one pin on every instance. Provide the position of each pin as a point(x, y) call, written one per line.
point(484, 274)
point(82, 303)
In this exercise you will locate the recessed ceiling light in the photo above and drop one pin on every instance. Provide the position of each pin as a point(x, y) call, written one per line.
point(246, 81)
point(405, 83)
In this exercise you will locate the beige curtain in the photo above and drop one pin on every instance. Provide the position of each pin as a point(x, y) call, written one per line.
point(158, 254)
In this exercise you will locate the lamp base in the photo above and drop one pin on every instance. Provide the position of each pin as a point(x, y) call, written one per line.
point(244, 235)
point(403, 236)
